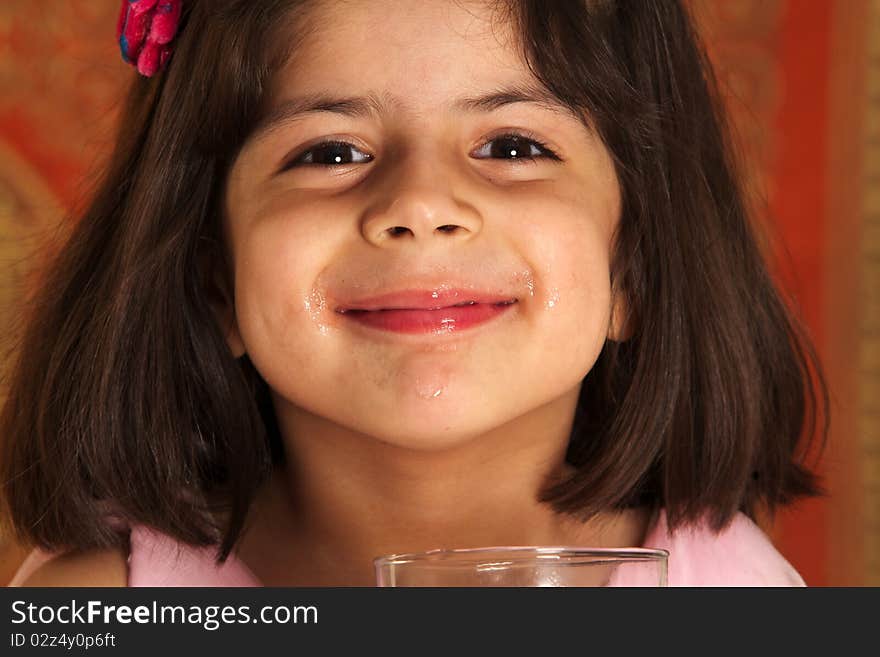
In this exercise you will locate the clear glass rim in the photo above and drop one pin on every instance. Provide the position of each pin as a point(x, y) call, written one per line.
point(444, 557)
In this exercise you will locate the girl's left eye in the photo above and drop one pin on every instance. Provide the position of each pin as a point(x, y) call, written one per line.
point(511, 146)
point(514, 147)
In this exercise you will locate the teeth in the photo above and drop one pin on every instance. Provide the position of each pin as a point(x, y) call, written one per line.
point(466, 303)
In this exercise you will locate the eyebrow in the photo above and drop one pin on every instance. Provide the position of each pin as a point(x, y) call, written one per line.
point(372, 104)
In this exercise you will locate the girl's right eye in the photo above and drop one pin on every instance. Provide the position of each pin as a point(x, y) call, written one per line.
point(329, 154)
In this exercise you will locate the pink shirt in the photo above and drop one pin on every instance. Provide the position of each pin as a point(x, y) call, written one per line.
point(740, 555)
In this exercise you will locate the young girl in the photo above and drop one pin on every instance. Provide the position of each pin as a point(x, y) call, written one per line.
point(372, 277)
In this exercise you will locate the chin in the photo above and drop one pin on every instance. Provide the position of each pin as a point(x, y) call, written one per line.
point(432, 427)
point(429, 440)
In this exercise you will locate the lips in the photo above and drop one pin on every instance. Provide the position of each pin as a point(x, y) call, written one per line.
point(425, 300)
point(427, 311)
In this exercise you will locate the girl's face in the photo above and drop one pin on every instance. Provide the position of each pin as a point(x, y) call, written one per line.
point(453, 176)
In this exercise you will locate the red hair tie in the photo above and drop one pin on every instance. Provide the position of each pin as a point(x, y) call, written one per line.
point(145, 31)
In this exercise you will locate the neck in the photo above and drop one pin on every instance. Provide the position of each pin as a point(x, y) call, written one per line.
point(346, 497)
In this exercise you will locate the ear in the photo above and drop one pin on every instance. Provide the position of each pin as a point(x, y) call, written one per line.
point(217, 283)
point(621, 324)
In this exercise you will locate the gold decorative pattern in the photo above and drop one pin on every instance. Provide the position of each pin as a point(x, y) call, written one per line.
point(28, 212)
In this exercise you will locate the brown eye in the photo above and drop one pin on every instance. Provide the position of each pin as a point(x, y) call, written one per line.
point(330, 154)
point(514, 147)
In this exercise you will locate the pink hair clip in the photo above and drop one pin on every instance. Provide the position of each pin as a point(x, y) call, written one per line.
point(145, 31)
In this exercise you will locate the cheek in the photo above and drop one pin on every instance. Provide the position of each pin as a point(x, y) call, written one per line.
point(277, 261)
point(576, 305)
point(568, 246)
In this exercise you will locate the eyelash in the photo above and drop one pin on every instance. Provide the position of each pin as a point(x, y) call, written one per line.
point(527, 138)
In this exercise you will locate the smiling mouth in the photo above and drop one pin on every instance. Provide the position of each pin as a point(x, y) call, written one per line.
point(445, 319)
point(457, 305)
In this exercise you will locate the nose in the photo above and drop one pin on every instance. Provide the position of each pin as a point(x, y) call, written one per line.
point(419, 205)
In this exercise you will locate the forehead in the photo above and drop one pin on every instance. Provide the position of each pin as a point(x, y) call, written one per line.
point(418, 54)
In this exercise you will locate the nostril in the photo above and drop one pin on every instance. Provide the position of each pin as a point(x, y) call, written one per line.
point(448, 228)
point(397, 230)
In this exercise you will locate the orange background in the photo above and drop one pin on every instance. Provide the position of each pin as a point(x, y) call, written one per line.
point(803, 85)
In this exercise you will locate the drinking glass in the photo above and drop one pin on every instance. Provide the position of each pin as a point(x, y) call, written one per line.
point(524, 566)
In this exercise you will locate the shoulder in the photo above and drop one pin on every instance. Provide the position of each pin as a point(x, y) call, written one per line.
point(155, 559)
point(741, 554)
point(159, 560)
point(89, 568)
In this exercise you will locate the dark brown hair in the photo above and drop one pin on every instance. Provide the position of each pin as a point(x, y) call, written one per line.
point(125, 402)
